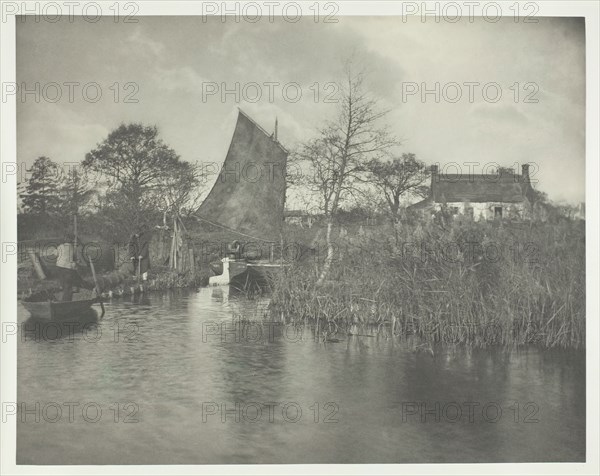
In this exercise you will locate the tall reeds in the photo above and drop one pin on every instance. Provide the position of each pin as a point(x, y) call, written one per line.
point(473, 283)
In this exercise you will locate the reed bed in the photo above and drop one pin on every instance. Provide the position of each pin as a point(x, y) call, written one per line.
point(469, 283)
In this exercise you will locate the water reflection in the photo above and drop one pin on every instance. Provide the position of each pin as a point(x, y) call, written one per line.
point(48, 332)
point(183, 360)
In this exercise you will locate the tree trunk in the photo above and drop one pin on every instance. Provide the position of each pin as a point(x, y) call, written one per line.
point(329, 257)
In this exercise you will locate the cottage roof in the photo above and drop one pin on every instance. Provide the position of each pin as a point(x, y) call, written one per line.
point(504, 187)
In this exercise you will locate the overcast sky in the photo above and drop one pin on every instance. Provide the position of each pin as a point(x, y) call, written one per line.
point(173, 59)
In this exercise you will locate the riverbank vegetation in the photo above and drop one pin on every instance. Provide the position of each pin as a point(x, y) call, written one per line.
point(486, 283)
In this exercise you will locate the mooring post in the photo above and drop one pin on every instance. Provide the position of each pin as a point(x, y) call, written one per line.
point(192, 262)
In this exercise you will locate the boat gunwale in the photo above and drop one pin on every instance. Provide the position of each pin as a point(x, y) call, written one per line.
point(58, 309)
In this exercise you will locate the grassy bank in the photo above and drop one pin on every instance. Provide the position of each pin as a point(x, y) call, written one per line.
point(471, 283)
point(113, 284)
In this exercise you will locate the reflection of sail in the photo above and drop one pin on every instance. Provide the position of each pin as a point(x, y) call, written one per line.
point(249, 193)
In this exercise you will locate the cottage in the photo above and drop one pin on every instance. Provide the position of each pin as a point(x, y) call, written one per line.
point(480, 196)
point(300, 218)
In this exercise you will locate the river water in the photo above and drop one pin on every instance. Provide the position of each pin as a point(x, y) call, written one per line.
point(172, 378)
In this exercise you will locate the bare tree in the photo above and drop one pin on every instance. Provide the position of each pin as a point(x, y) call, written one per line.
point(404, 175)
point(320, 159)
point(179, 190)
point(340, 155)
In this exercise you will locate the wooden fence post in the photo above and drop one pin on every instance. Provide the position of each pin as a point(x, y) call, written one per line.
point(192, 261)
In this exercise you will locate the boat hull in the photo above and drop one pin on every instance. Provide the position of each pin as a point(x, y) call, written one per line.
point(241, 271)
point(259, 272)
point(57, 310)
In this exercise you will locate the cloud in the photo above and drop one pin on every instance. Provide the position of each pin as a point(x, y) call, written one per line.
point(62, 144)
point(170, 57)
point(182, 79)
point(496, 112)
point(144, 44)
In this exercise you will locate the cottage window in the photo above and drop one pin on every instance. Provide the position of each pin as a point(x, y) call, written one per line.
point(469, 211)
point(497, 212)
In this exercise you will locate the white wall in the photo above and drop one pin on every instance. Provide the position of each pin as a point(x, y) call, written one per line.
point(485, 211)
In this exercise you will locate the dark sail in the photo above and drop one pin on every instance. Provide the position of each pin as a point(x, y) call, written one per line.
point(249, 194)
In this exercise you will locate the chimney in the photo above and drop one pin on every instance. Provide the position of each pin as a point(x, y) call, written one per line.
point(525, 173)
point(434, 175)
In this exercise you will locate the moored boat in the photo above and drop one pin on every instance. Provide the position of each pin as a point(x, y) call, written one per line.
point(57, 310)
point(247, 202)
point(238, 270)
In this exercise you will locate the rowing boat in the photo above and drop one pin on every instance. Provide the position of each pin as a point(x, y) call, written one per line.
point(56, 310)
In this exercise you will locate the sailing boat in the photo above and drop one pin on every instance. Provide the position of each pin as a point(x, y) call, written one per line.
point(248, 198)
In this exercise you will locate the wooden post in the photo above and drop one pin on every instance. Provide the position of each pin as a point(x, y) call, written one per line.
point(75, 229)
point(171, 250)
point(37, 266)
point(281, 261)
point(173, 260)
point(181, 261)
point(116, 259)
point(161, 247)
point(75, 239)
point(192, 262)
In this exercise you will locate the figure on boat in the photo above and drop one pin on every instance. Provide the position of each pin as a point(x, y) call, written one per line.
point(66, 264)
point(44, 304)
